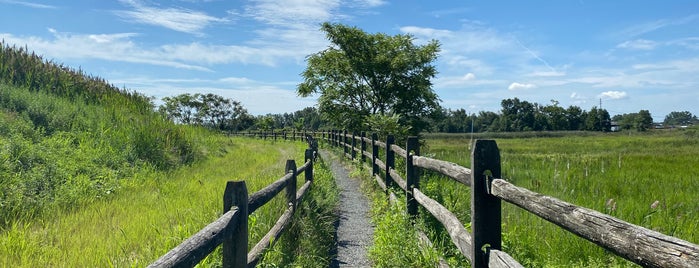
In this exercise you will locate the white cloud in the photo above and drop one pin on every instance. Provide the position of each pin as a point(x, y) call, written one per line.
point(455, 81)
point(638, 44)
point(291, 13)
point(177, 19)
point(371, 3)
point(652, 26)
point(613, 95)
point(547, 74)
point(519, 86)
point(28, 4)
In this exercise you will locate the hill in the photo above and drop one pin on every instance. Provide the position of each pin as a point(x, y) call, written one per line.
point(67, 138)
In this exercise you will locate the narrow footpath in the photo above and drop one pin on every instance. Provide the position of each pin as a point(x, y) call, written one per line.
point(354, 231)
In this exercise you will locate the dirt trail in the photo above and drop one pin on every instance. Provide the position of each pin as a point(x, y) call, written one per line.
point(354, 231)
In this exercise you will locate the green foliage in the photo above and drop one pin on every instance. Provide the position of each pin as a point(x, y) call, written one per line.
point(208, 110)
point(383, 125)
point(640, 121)
point(364, 74)
point(682, 118)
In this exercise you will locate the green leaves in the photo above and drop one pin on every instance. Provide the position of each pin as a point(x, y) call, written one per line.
point(362, 74)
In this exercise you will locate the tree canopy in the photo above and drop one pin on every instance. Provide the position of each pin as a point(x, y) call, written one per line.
point(362, 74)
point(209, 110)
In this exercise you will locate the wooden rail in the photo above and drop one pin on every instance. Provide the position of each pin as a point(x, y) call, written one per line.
point(482, 245)
point(231, 229)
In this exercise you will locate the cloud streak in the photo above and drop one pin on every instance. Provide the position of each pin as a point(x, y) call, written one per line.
point(28, 4)
point(176, 19)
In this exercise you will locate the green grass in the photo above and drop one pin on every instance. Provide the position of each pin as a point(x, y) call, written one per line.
point(158, 210)
point(621, 174)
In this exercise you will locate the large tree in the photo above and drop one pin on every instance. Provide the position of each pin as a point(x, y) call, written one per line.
point(362, 74)
point(209, 110)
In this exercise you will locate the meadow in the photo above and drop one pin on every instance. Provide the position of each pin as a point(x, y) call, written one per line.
point(648, 179)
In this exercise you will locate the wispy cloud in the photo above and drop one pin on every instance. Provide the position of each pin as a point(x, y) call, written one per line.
point(177, 19)
point(28, 4)
point(520, 86)
point(638, 44)
point(613, 95)
point(641, 29)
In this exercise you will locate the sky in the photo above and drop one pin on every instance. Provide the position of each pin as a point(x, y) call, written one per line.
point(625, 55)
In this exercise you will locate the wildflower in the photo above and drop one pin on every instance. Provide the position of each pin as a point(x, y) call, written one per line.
point(655, 204)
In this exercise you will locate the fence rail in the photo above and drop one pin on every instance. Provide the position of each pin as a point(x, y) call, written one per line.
point(231, 229)
point(635, 243)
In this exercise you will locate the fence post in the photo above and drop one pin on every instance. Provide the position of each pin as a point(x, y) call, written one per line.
point(274, 133)
point(390, 161)
point(412, 175)
point(374, 155)
point(363, 146)
point(291, 185)
point(354, 145)
point(235, 244)
point(486, 222)
point(345, 141)
point(308, 156)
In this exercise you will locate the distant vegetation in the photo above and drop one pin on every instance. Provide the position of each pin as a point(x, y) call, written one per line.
point(68, 138)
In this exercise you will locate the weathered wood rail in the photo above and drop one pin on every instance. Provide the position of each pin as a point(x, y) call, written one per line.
point(482, 245)
point(231, 229)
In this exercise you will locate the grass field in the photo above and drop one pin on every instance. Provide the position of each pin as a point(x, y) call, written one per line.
point(157, 210)
point(648, 179)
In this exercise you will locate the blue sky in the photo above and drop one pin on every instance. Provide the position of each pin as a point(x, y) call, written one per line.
point(632, 55)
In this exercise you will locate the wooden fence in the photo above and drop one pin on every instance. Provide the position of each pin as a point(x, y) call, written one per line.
point(231, 229)
point(483, 245)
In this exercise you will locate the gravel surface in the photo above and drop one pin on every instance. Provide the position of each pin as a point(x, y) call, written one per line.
point(354, 229)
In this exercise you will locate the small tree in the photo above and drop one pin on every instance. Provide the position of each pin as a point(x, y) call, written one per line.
point(363, 74)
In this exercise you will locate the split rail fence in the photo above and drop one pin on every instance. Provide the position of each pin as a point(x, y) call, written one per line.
point(483, 244)
point(231, 229)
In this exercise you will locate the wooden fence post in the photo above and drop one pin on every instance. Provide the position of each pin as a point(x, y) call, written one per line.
point(486, 212)
point(412, 176)
point(354, 145)
point(291, 186)
point(308, 156)
point(235, 244)
point(345, 141)
point(363, 146)
point(374, 155)
point(390, 161)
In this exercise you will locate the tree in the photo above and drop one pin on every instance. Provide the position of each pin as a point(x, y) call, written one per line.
point(680, 119)
point(363, 74)
point(208, 110)
point(598, 120)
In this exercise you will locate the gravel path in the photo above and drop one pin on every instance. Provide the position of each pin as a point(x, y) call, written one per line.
point(354, 231)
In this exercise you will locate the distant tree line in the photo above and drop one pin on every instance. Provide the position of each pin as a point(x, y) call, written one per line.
point(515, 115)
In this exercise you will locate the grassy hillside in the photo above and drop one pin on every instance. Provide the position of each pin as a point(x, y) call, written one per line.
point(648, 179)
point(67, 139)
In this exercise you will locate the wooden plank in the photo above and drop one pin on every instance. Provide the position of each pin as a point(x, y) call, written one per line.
point(303, 168)
point(497, 259)
point(381, 144)
point(197, 247)
point(367, 154)
point(400, 151)
point(380, 164)
point(458, 233)
point(449, 169)
point(270, 237)
point(400, 181)
point(261, 197)
point(379, 180)
point(302, 191)
point(645, 247)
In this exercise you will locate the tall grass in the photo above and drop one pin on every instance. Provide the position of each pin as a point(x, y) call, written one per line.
point(67, 138)
point(647, 179)
point(158, 210)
